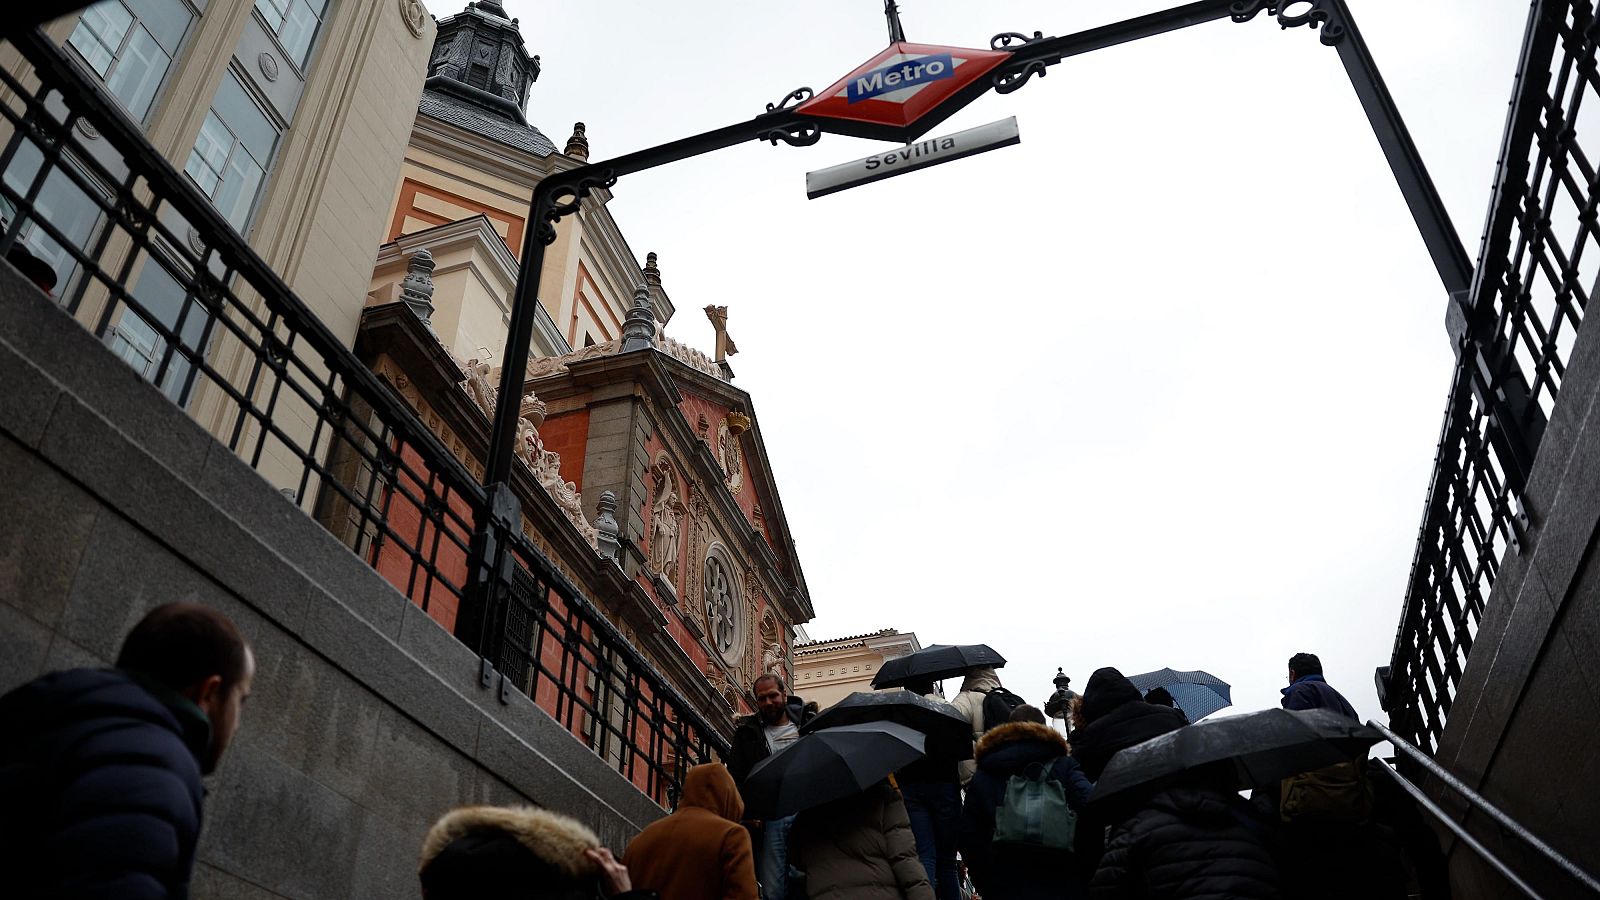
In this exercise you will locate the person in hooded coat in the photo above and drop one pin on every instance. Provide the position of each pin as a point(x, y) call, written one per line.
point(518, 853)
point(969, 702)
point(1115, 717)
point(700, 852)
point(1018, 873)
point(1193, 841)
point(859, 848)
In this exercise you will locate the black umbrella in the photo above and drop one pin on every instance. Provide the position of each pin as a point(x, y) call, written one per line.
point(949, 732)
point(1253, 750)
point(827, 765)
point(936, 662)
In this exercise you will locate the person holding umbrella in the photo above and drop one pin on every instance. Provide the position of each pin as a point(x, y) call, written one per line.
point(1114, 716)
point(851, 836)
point(931, 788)
point(774, 726)
point(859, 847)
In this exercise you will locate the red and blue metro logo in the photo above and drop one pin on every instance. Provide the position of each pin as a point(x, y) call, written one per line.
point(887, 95)
point(901, 75)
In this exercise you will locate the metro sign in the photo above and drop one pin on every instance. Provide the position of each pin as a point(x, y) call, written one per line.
point(904, 91)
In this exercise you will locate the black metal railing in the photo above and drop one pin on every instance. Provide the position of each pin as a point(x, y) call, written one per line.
point(141, 257)
point(1506, 827)
point(1513, 335)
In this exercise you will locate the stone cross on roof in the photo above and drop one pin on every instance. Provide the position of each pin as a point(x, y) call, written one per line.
point(719, 320)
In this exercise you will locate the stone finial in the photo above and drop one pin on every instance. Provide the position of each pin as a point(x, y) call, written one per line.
point(652, 273)
point(605, 523)
point(578, 144)
point(416, 289)
point(639, 330)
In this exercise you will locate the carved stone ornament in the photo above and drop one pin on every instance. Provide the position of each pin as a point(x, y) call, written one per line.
point(553, 365)
point(484, 394)
point(268, 64)
point(545, 464)
point(414, 14)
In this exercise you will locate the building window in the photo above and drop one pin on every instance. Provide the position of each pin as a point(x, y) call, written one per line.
point(130, 45)
point(141, 345)
point(724, 608)
point(295, 22)
point(61, 202)
point(231, 155)
point(478, 76)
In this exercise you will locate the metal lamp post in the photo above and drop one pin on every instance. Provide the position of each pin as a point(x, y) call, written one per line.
point(1059, 706)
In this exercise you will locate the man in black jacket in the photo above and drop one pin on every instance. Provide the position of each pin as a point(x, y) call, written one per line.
point(775, 725)
point(100, 769)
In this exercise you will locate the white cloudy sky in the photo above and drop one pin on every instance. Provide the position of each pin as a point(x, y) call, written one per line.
point(1158, 387)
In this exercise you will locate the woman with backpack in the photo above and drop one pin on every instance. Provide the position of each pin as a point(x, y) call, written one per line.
point(1018, 821)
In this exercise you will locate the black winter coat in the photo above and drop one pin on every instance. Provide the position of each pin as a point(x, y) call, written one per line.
point(750, 739)
point(1187, 843)
point(1004, 873)
point(1117, 718)
point(100, 780)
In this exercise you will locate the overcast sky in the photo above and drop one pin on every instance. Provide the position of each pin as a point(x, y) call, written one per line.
point(1158, 387)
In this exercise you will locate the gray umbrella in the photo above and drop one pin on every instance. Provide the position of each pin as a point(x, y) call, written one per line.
point(1253, 750)
point(827, 765)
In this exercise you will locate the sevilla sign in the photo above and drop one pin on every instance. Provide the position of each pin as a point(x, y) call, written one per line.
point(904, 91)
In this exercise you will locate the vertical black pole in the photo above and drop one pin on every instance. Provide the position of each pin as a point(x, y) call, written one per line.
point(478, 622)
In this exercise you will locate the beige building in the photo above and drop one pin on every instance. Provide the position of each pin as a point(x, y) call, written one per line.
point(291, 116)
point(463, 193)
point(827, 671)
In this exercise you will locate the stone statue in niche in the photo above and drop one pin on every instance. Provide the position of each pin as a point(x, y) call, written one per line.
point(772, 661)
point(728, 455)
point(666, 516)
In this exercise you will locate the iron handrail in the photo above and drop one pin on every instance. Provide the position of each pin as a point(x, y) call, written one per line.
point(1477, 801)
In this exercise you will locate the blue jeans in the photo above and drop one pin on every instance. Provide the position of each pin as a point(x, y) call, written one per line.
point(772, 863)
point(935, 811)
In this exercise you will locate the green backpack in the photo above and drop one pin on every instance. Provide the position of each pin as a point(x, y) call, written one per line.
point(1034, 812)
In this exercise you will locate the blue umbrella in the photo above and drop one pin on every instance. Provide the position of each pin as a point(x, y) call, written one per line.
point(1198, 694)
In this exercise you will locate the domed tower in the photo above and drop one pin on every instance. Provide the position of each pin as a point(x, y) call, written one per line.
point(479, 57)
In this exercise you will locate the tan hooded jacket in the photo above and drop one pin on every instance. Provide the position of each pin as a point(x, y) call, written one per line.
point(700, 852)
point(969, 702)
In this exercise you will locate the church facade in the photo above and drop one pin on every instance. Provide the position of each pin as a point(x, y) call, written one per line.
point(701, 574)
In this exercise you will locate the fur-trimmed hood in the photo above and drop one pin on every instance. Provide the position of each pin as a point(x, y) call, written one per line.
point(478, 845)
point(1014, 732)
point(1011, 748)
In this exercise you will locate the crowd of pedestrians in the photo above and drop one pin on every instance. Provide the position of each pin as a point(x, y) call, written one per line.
point(101, 770)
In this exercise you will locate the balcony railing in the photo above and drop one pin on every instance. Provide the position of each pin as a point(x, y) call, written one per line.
point(1537, 265)
point(143, 260)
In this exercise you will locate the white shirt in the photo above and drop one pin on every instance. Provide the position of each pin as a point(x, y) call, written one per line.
point(779, 737)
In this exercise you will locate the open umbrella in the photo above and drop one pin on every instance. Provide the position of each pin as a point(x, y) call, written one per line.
point(1253, 750)
point(826, 765)
point(1198, 694)
point(949, 732)
point(936, 662)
